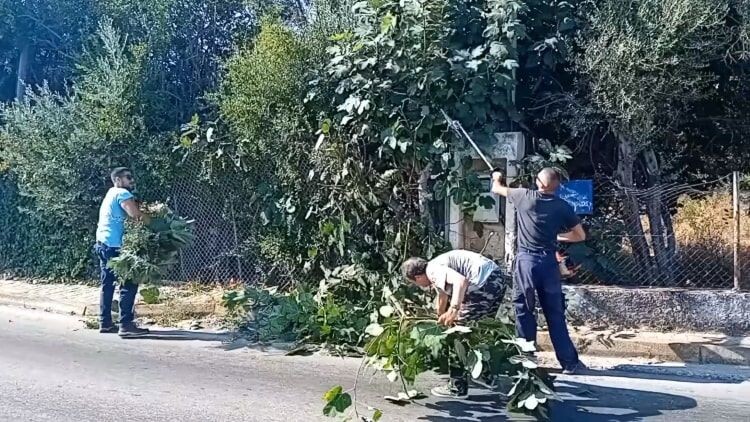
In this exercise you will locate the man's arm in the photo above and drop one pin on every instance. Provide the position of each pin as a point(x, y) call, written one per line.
point(131, 208)
point(498, 186)
point(442, 303)
point(573, 236)
point(460, 284)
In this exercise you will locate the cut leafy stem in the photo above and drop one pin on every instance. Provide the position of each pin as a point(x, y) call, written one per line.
point(405, 347)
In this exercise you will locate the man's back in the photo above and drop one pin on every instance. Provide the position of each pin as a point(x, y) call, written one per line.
point(541, 217)
point(475, 267)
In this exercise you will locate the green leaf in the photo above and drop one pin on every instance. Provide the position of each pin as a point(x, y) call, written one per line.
point(567, 25)
point(386, 311)
point(374, 329)
point(150, 295)
point(387, 23)
point(458, 329)
point(325, 127)
point(336, 401)
point(476, 370)
point(334, 392)
point(377, 415)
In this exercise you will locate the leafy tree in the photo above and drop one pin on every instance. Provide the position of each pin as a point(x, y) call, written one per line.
point(60, 148)
point(187, 40)
point(642, 67)
point(38, 41)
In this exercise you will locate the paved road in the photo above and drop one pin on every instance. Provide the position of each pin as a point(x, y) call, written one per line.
point(52, 369)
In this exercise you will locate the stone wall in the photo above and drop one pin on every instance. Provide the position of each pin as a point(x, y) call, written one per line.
point(660, 309)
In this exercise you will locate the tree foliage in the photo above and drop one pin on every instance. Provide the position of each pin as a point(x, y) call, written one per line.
point(97, 102)
point(61, 147)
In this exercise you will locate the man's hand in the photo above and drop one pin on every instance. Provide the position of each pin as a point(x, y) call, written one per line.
point(578, 234)
point(498, 183)
point(449, 317)
point(497, 176)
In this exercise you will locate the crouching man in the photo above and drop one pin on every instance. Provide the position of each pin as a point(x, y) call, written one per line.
point(469, 287)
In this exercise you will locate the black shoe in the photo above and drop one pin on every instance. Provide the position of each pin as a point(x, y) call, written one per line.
point(457, 388)
point(575, 369)
point(108, 329)
point(132, 330)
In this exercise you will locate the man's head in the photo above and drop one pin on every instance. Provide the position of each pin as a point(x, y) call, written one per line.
point(548, 180)
point(415, 269)
point(122, 177)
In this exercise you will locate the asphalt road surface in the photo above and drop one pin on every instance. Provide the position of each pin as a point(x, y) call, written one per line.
point(52, 369)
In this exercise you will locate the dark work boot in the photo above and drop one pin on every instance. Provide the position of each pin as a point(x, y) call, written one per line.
point(457, 388)
point(576, 369)
point(108, 329)
point(132, 330)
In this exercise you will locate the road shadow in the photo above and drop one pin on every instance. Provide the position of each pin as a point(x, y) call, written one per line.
point(481, 405)
point(581, 403)
point(593, 403)
point(184, 335)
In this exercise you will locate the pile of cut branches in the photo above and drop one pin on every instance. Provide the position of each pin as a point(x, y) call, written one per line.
point(404, 347)
point(150, 248)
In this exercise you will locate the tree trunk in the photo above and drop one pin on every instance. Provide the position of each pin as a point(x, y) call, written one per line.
point(23, 70)
point(631, 208)
point(655, 208)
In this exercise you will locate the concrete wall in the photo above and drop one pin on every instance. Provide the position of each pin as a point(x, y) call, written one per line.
point(492, 240)
point(661, 309)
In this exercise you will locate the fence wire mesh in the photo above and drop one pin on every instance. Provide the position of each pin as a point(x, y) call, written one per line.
point(231, 242)
point(670, 235)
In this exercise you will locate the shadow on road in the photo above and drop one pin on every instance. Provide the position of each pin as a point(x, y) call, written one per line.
point(481, 405)
point(184, 335)
point(581, 403)
point(592, 403)
point(227, 341)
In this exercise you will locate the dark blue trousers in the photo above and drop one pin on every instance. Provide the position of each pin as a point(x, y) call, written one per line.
point(108, 279)
point(538, 274)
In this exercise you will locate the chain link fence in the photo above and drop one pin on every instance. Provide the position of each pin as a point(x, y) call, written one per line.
point(232, 242)
point(670, 235)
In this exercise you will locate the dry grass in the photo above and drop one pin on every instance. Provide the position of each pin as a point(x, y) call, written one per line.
point(704, 232)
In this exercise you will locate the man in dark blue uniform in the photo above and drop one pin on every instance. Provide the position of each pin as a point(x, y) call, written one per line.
point(543, 220)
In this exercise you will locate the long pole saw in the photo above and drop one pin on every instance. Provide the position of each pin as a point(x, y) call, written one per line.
point(456, 126)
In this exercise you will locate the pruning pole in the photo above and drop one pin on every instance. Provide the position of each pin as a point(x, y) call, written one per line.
point(459, 129)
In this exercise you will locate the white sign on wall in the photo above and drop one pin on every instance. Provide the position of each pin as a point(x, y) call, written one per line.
point(508, 145)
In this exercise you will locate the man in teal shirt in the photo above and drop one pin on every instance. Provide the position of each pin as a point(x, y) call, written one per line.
point(118, 205)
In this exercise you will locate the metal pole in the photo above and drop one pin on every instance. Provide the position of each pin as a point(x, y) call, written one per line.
point(456, 125)
point(736, 220)
point(236, 243)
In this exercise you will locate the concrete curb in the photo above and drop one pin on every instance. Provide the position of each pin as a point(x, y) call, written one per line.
point(672, 347)
point(47, 306)
point(677, 347)
point(197, 309)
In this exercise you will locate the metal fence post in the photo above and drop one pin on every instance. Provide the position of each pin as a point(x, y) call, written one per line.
point(736, 220)
point(236, 250)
